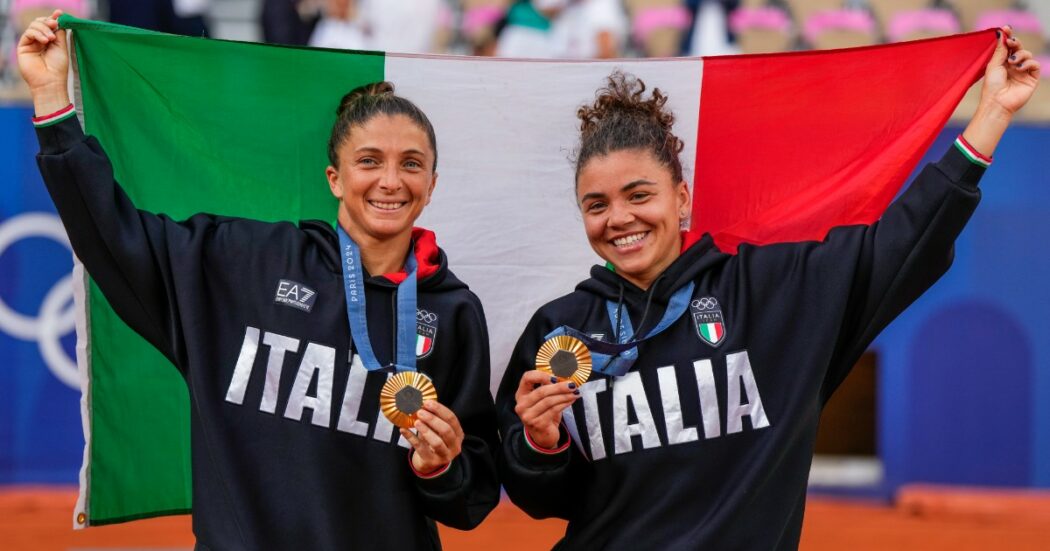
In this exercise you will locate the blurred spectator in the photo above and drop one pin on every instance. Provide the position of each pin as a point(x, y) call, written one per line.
point(584, 29)
point(487, 45)
point(526, 32)
point(340, 27)
point(577, 29)
point(709, 34)
point(170, 16)
point(407, 26)
point(290, 21)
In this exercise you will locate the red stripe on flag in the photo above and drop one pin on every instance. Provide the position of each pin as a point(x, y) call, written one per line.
point(791, 145)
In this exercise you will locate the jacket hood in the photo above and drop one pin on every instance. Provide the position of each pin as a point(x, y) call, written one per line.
point(700, 256)
point(432, 265)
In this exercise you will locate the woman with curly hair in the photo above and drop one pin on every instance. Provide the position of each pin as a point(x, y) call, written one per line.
point(696, 428)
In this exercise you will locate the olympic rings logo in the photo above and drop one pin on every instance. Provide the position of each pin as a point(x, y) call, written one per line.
point(706, 303)
point(426, 317)
point(57, 315)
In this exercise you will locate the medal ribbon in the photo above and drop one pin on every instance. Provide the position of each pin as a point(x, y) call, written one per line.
point(616, 359)
point(354, 287)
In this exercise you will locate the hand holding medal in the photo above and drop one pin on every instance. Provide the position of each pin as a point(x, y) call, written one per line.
point(438, 437)
point(563, 363)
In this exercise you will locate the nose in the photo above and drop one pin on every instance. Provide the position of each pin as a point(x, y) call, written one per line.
point(390, 181)
point(619, 216)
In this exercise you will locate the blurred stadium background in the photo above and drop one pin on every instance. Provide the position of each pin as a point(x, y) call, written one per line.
point(940, 439)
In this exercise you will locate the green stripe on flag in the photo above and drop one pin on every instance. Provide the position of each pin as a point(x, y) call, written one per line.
point(191, 125)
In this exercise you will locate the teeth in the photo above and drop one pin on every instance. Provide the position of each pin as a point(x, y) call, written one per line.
point(629, 239)
point(386, 206)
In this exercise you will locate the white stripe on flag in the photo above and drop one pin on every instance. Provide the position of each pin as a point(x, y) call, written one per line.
point(506, 130)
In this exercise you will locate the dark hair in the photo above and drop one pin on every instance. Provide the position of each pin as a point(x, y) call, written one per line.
point(363, 103)
point(622, 118)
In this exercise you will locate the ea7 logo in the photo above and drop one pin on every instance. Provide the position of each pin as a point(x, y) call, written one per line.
point(295, 294)
point(710, 324)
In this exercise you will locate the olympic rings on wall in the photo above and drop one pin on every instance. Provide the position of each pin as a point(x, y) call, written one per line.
point(56, 316)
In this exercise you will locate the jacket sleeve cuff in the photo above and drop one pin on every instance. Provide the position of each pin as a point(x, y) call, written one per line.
point(963, 165)
point(531, 454)
point(432, 474)
point(59, 136)
point(446, 479)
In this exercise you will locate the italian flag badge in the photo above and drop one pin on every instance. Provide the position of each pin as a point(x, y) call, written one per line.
point(710, 323)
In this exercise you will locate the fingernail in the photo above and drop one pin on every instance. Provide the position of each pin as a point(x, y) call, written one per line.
point(998, 33)
point(576, 392)
point(572, 386)
point(1020, 64)
point(554, 379)
point(1013, 57)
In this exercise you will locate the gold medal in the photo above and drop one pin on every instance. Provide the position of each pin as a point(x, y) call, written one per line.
point(565, 357)
point(403, 395)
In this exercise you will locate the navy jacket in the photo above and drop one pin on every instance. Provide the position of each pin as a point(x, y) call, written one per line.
point(289, 449)
point(707, 442)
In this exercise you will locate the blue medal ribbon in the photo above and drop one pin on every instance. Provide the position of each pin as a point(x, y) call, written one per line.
point(354, 286)
point(616, 359)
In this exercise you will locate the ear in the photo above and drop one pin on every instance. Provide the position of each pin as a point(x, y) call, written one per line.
point(684, 200)
point(430, 190)
point(334, 184)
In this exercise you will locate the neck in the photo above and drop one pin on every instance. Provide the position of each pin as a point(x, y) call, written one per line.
point(379, 256)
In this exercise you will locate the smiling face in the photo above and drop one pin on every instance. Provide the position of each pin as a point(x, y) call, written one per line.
point(384, 179)
point(632, 212)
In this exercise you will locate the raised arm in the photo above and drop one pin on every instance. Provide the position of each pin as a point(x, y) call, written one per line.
point(128, 253)
point(906, 251)
point(867, 275)
point(1009, 82)
point(43, 59)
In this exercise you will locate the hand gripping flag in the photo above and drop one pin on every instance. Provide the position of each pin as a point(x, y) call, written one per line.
point(778, 148)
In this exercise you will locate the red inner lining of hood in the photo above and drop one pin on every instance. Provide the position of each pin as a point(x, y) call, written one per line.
point(426, 256)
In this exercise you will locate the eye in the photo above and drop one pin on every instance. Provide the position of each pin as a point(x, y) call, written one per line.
point(413, 164)
point(368, 161)
point(639, 196)
point(594, 207)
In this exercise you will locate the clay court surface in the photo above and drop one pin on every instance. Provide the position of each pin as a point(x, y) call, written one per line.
point(922, 519)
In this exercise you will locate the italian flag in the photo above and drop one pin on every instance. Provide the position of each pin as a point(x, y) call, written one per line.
point(778, 148)
point(711, 332)
point(423, 345)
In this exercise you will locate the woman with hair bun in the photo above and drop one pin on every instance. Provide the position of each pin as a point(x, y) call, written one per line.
point(286, 334)
point(696, 427)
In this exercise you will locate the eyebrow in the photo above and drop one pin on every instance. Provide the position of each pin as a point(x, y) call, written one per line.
point(370, 149)
point(627, 187)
